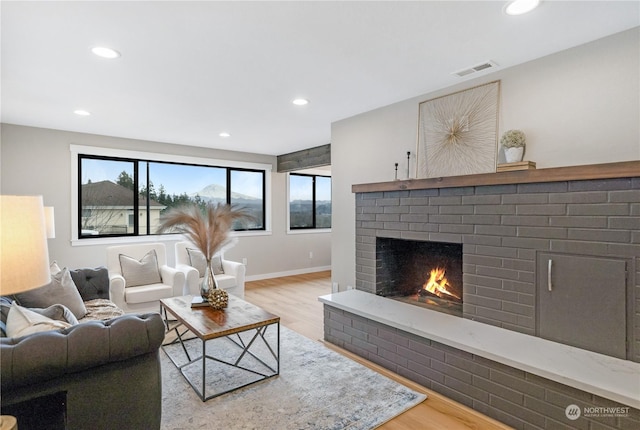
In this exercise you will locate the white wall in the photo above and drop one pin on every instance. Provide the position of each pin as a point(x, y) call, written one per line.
point(38, 161)
point(579, 106)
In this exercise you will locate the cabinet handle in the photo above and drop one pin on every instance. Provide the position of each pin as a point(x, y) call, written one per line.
point(549, 284)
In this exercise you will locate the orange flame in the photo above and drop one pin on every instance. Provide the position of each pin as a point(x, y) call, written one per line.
point(437, 284)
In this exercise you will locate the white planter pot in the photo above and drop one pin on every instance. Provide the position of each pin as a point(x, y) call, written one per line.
point(513, 155)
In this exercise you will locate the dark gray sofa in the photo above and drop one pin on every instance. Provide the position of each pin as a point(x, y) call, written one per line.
point(105, 374)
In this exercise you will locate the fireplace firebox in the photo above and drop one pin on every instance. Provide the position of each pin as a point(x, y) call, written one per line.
point(422, 273)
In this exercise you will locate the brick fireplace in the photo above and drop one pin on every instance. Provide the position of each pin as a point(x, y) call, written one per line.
point(525, 236)
point(506, 232)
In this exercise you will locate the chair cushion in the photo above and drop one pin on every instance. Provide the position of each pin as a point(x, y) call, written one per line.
point(22, 321)
point(61, 290)
point(225, 281)
point(147, 293)
point(197, 260)
point(140, 272)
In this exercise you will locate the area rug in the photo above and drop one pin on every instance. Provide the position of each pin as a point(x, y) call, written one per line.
point(317, 389)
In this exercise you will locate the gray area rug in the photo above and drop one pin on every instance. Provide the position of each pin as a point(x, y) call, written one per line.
point(317, 388)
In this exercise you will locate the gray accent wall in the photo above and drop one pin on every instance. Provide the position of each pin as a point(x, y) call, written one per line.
point(502, 229)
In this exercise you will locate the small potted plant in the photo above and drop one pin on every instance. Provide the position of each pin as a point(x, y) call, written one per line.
point(513, 143)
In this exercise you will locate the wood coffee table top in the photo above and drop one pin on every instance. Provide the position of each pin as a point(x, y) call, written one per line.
point(208, 323)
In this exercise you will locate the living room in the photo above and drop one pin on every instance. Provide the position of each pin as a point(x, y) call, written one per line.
point(579, 106)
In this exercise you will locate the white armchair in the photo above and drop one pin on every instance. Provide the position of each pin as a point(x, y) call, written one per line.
point(139, 277)
point(232, 280)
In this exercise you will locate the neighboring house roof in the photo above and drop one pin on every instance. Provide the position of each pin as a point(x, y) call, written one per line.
point(107, 194)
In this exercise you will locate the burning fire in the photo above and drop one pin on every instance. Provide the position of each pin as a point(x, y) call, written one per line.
point(437, 284)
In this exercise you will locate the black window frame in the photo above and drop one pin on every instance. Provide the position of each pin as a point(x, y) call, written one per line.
point(314, 205)
point(136, 206)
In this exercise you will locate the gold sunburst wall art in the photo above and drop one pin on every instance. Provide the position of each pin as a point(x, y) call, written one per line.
point(457, 133)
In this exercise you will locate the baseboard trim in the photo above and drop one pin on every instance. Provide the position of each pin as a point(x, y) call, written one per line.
point(286, 273)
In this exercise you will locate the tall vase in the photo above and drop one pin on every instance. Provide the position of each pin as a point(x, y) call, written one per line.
point(209, 282)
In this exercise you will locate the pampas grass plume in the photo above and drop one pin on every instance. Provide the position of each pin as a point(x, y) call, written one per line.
point(207, 228)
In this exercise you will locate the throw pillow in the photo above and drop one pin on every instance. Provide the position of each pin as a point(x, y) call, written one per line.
point(140, 272)
point(197, 260)
point(61, 290)
point(55, 312)
point(216, 262)
point(22, 322)
point(58, 313)
point(5, 306)
point(54, 269)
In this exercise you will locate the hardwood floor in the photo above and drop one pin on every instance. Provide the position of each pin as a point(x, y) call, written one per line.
point(295, 300)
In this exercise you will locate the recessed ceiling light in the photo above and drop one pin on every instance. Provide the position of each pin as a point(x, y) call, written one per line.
point(300, 102)
point(104, 52)
point(82, 112)
point(519, 7)
point(224, 134)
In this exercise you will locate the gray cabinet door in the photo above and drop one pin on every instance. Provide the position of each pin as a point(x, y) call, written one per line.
point(583, 302)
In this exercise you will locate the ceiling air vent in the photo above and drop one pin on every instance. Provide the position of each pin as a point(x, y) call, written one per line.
point(477, 68)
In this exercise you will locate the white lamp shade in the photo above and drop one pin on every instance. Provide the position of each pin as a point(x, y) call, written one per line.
point(24, 257)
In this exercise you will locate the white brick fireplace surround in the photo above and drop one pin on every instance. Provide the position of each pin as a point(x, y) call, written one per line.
point(493, 358)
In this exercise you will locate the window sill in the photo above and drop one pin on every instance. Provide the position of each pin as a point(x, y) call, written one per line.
point(154, 238)
point(309, 231)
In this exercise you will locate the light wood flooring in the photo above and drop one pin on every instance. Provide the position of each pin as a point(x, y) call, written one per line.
point(295, 300)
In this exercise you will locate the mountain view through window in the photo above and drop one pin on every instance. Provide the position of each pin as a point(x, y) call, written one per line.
point(128, 197)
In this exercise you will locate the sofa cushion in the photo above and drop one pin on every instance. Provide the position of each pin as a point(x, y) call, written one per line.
point(61, 290)
point(22, 321)
point(197, 260)
point(140, 272)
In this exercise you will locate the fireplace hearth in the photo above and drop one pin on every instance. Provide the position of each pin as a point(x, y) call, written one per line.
point(421, 273)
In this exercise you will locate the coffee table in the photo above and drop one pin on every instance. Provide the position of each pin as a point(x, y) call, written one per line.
point(241, 322)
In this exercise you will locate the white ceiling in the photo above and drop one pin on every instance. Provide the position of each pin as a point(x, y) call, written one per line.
point(190, 70)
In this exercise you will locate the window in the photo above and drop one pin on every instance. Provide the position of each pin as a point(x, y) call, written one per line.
point(127, 196)
point(309, 201)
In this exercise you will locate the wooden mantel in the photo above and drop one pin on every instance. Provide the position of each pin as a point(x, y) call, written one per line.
point(625, 169)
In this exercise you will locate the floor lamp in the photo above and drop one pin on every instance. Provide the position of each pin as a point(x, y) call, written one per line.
point(24, 256)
